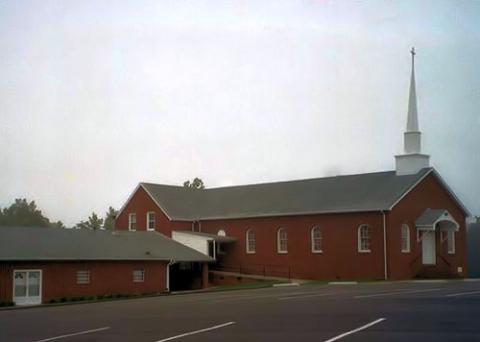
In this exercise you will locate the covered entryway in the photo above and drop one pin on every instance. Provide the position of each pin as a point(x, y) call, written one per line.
point(27, 287)
point(428, 224)
point(208, 244)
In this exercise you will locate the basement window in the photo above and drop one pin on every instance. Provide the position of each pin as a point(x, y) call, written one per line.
point(139, 276)
point(83, 277)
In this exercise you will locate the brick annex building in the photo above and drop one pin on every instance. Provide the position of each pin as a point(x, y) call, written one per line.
point(397, 224)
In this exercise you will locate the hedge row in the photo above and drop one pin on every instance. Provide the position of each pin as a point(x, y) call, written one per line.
point(91, 298)
point(2, 304)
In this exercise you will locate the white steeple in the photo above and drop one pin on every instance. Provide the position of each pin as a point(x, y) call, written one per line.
point(412, 160)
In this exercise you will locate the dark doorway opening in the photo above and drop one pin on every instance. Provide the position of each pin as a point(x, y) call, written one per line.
point(185, 276)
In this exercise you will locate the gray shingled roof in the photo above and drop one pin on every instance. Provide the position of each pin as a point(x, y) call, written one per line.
point(352, 193)
point(37, 243)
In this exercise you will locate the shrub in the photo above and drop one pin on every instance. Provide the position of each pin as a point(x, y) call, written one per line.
point(52, 301)
point(100, 297)
point(63, 299)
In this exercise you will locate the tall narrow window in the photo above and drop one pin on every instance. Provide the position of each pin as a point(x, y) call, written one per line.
point(405, 238)
point(451, 241)
point(282, 241)
point(316, 238)
point(151, 220)
point(132, 221)
point(364, 238)
point(250, 241)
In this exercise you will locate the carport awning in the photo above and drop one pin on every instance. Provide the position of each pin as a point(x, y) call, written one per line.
point(431, 217)
point(207, 236)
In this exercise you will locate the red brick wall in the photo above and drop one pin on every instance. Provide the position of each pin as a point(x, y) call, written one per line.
point(428, 194)
point(340, 258)
point(141, 203)
point(59, 279)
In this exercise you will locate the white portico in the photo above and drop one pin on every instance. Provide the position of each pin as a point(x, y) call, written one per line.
point(430, 222)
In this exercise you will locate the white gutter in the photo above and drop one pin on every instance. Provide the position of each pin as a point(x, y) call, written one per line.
point(385, 267)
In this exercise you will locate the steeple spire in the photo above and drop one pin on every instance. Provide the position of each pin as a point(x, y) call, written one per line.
point(412, 160)
point(412, 121)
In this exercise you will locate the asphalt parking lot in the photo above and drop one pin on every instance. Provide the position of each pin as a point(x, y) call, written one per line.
point(400, 311)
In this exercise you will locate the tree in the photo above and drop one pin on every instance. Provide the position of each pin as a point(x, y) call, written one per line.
point(23, 213)
point(110, 216)
point(197, 183)
point(93, 223)
point(58, 224)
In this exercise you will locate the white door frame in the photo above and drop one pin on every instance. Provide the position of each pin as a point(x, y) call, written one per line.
point(429, 247)
point(27, 300)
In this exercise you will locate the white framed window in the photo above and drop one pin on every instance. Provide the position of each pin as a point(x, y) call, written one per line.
point(451, 241)
point(282, 241)
point(83, 277)
point(221, 232)
point(250, 241)
point(364, 238)
point(139, 276)
point(405, 238)
point(132, 221)
point(316, 239)
point(151, 220)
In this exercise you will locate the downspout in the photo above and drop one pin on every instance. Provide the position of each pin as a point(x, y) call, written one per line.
point(171, 262)
point(385, 267)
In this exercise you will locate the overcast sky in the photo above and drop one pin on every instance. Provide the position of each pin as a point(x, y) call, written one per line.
point(96, 96)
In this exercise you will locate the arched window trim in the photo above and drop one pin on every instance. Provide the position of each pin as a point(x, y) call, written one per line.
point(405, 238)
point(282, 249)
point(250, 241)
point(364, 239)
point(315, 241)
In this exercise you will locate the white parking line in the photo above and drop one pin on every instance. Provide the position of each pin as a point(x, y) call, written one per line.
point(397, 293)
point(73, 334)
point(363, 327)
point(247, 297)
point(196, 332)
point(310, 295)
point(462, 294)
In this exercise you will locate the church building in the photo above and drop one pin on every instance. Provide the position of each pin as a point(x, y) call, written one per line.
point(400, 224)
